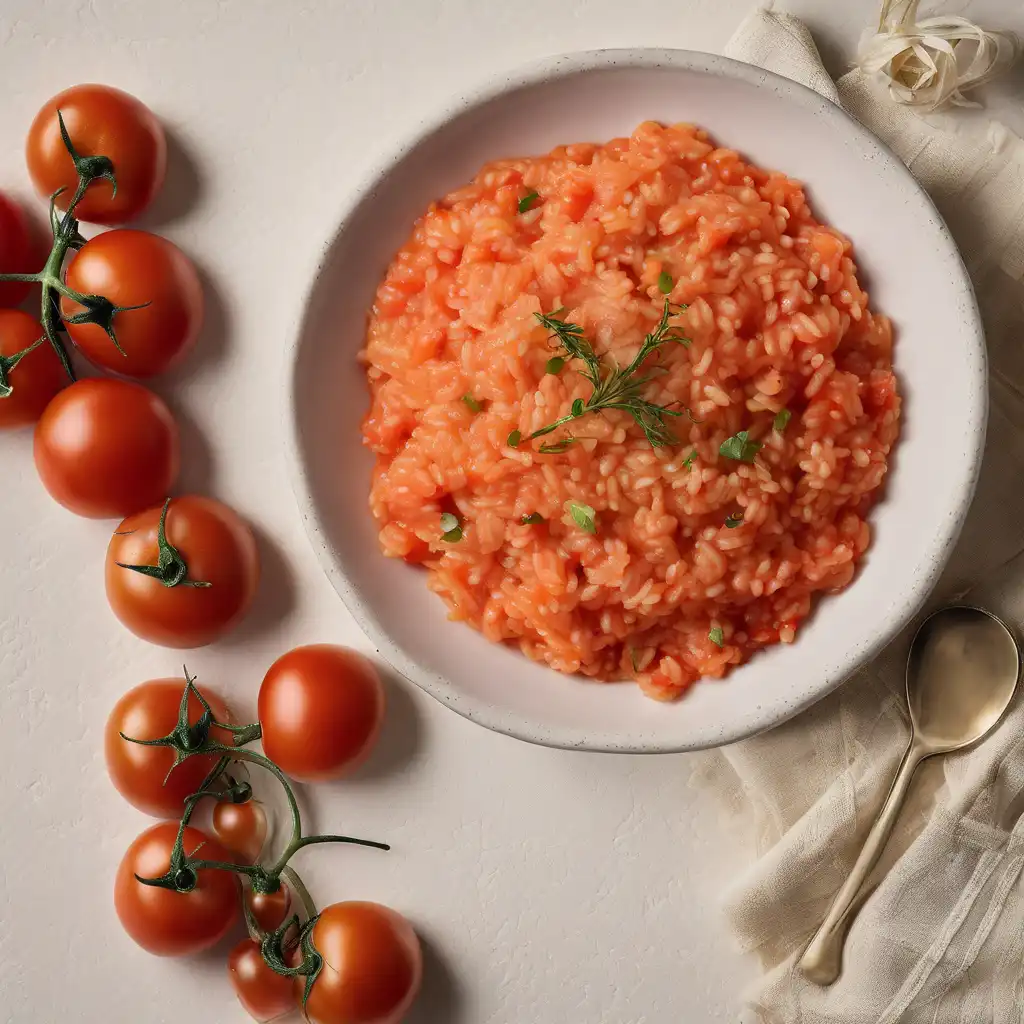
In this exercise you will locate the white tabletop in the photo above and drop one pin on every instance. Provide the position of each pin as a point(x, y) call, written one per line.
point(549, 887)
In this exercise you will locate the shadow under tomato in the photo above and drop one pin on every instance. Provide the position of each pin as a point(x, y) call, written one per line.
point(198, 463)
point(183, 187)
point(214, 337)
point(401, 735)
point(441, 997)
point(276, 598)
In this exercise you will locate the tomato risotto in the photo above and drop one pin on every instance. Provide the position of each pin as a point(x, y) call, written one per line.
point(630, 407)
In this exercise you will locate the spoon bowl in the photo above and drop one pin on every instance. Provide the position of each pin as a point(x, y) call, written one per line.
point(961, 675)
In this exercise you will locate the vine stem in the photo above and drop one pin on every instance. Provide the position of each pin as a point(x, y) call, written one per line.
point(293, 806)
point(300, 890)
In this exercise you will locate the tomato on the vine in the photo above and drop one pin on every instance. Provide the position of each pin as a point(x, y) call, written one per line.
point(164, 921)
point(372, 969)
point(107, 448)
point(269, 909)
point(100, 121)
point(219, 553)
point(36, 378)
point(320, 709)
point(241, 828)
point(17, 252)
point(264, 994)
point(147, 776)
point(136, 269)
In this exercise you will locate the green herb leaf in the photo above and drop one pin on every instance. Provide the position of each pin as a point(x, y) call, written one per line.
point(451, 529)
point(739, 447)
point(734, 520)
point(583, 516)
point(472, 403)
point(616, 388)
point(782, 418)
point(554, 365)
point(689, 460)
point(514, 438)
point(526, 203)
point(556, 446)
point(665, 283)
point(532, 519)
point(716, 636)
point(633, 659)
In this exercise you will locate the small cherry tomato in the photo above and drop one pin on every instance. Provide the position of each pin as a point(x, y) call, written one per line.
point(107, 448)
point(36, 378)
point(372, 969)
point(264, 994)
point(269, 909)
point(320, 708)
point(147, 776)
point(17, 252)
point(136, 268)
point(218, 550)
point(241, 828)
point(101, 121)
point(166, 922)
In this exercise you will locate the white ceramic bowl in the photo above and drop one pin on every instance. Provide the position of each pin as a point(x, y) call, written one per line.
point(914, 273)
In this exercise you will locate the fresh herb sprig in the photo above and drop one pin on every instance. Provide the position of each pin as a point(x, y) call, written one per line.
point(615, 388)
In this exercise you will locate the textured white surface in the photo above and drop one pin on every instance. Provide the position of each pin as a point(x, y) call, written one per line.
point(549, 886)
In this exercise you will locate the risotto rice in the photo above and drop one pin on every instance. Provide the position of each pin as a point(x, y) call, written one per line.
point(696, 559)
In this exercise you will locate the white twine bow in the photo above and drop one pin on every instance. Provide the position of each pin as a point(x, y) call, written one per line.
point(933, 62)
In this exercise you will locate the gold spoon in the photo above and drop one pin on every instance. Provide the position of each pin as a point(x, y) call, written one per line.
point(961, 676)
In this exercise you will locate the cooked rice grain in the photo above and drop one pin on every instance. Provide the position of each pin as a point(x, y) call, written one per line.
point(778, 320)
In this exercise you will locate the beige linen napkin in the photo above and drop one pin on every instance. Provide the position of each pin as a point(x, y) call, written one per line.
point(941, 939)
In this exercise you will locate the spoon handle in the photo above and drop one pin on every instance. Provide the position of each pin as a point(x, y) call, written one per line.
point(822, 960)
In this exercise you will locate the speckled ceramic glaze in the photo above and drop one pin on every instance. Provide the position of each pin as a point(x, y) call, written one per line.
point(911, 268)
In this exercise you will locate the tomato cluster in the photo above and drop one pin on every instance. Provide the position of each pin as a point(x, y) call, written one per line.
point(181, 571)
point(177, 889)
point(131, 303)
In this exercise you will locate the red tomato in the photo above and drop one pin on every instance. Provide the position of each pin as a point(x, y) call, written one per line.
point(101, 121)
point(320, 709)
point(241, 828)
point(17, 253)
point(107, 448)
point(264, 994)
point(372, 969)
point(36, 378)
point(166, 922)
point(217, 547)
point(135, 268)
point(140, 773)
point(269, 909)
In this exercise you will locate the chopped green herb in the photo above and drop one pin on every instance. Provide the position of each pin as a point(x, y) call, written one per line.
point(633, 659)
point(557, 447)
point(616, 388)
point(665, 283)
point(526, 203)
point(731, 522)
point(451, 529)
point(554, 365)
point(782, 418)
point(583, 516)
point(532, 519)
point(689, 460)
point(514, 438)
point(716, 636)
point(740, 448)
point(472, 403)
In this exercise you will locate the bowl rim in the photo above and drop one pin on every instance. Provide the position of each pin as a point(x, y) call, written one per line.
point(534, 73)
